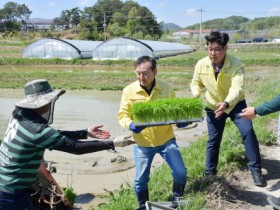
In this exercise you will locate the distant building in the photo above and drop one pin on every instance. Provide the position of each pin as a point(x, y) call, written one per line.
point(231, 33)
point(261, 33)
point(197, 33)
point(189, 33)
point(180, 34)
point(38, 24)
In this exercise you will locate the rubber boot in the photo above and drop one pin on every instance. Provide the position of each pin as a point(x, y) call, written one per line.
point(178, 190)
point(142, 197)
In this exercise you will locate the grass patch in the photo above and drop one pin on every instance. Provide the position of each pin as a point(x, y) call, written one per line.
point(86, 77)
point(12, 43)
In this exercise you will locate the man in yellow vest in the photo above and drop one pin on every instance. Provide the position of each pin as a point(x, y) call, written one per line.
point(222, 76)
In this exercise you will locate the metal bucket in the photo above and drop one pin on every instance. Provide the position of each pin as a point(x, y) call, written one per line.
point(164, 205)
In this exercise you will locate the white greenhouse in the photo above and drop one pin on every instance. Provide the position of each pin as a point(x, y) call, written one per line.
point(127, 48)
point(60, 48)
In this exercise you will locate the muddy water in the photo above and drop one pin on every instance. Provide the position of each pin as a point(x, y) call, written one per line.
point(77, 110)
point(73, 111)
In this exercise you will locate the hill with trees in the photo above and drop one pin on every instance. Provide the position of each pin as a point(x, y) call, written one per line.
point(240, 23)
point(112, 18)
point(170, 27)
point(106, 18)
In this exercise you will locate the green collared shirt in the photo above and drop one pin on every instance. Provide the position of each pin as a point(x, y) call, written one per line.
point(269, 107)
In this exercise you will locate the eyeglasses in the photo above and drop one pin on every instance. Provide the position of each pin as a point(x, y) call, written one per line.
point(144, 74)
point(216, 51)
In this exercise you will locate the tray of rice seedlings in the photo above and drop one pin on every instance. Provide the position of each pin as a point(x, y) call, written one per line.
point(167, 111)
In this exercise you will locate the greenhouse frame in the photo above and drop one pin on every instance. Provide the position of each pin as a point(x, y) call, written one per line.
point(60, 48)
point(128, 48)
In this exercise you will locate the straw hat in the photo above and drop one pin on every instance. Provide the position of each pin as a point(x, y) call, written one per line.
point(38, 93)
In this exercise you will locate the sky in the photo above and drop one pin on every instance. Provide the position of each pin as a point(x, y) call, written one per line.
point(181, 12)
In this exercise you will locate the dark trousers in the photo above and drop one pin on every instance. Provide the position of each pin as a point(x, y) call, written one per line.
point(215, 132)
point(20, 200)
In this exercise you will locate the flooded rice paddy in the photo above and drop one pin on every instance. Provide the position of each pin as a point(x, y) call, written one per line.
point(73, 111)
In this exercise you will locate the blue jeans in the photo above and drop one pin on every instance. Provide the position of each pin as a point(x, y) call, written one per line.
point(144, 156)
point(20, 200)
point(215, 132)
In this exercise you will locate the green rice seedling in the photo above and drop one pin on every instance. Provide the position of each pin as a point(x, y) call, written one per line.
point(167, 109)
point(70, 195)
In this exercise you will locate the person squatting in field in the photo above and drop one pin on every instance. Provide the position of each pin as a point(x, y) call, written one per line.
point(28, 136)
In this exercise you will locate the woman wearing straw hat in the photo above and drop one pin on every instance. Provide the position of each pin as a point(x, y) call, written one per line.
point(28, 136)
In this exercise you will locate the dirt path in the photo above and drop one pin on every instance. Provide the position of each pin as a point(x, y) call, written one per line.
point(239, 192)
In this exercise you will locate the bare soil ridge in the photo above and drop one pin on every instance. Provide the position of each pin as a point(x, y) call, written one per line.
point(237, 191)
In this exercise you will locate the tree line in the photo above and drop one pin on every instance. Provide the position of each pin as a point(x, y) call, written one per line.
point(112, 18)
point(106, 18)
point(13, 16)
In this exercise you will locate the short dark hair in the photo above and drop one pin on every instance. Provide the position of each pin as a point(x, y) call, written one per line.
point(217, 36)
point(146, 58)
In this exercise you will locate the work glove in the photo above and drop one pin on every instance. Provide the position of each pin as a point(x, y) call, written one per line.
point(182, 125)
point(123, 141)
point(135, 129)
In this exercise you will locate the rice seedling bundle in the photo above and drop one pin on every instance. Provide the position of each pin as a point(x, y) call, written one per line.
point(168, 109)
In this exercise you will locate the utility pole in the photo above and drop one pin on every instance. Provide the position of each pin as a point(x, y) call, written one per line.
point(104, 26)
point(200, 28)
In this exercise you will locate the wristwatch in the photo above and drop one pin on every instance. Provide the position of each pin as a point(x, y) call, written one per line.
point(226, 104)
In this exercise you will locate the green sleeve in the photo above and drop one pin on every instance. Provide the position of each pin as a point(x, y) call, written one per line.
point(269, 107)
